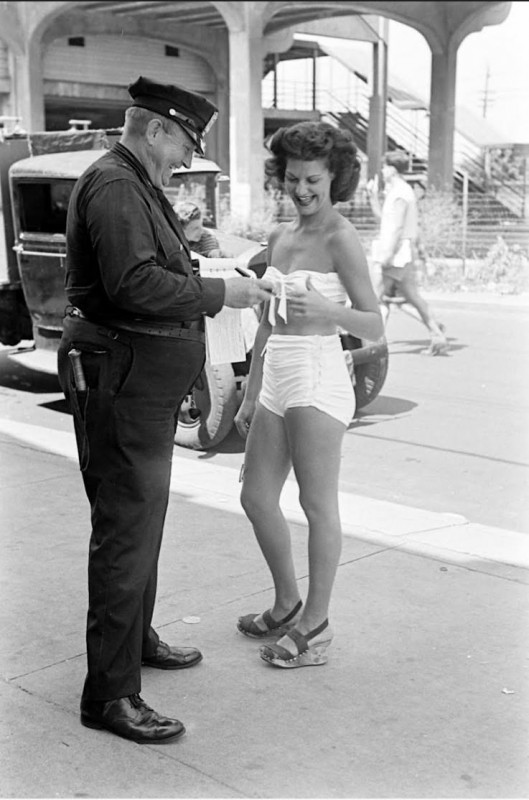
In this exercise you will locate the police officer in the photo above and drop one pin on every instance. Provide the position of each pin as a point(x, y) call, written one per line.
point(132, 347)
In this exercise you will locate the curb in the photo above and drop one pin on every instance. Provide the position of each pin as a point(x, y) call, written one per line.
point(478, 299)
point(392, 525)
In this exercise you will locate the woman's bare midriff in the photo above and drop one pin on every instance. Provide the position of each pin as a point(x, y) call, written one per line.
point(300, 328)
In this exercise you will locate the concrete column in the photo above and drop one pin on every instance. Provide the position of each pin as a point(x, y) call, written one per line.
point(442, 119)
point(246, 121)
point(28, 87)
point(222, 150)
point(376, 134)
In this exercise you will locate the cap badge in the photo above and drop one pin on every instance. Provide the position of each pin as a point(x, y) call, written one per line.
point(210, 122)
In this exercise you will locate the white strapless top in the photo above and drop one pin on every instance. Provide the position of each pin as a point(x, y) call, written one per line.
point(327, 283)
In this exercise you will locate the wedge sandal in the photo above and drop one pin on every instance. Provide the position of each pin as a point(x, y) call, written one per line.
point(296, 649)
point(259, 626)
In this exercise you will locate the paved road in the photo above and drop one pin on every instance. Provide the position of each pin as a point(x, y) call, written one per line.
point(447, 434)
point(451, 433)
point(418, 698)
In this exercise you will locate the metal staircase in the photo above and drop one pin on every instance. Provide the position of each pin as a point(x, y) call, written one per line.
point(493, 210)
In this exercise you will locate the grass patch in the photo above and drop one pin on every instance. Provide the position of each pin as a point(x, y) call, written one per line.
point(504, 270)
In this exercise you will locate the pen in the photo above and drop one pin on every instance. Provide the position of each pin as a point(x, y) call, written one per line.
point(245, 272)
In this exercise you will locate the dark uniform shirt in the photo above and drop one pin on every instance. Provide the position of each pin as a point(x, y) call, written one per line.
point(126, 255)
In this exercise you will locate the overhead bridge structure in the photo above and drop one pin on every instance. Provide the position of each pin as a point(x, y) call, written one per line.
point(74, 59)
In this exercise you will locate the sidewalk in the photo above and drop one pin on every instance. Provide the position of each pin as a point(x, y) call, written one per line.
point(424, 695)
point(518, 301)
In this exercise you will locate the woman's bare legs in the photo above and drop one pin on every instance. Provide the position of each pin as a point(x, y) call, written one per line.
point(266, 467)
point(315, 441)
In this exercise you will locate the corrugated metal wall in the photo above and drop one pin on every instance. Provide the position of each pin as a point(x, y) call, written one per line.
point(116, 61)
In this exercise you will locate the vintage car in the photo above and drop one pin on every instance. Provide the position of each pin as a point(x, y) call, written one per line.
point(32, 299)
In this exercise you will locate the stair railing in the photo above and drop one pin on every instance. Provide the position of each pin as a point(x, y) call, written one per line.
point(412, 136)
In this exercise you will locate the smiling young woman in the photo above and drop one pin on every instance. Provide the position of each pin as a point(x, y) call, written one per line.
point(299, 399)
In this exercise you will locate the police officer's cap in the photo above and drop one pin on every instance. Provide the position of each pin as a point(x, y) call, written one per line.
point(193, 112)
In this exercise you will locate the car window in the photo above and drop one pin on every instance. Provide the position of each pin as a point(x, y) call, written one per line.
point(42, 205)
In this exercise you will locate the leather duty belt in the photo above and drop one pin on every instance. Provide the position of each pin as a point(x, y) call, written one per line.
point(193, 331)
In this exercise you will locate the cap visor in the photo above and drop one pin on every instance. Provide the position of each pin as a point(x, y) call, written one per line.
point(193, 136)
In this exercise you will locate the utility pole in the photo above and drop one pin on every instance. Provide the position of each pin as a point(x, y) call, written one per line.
point(487, 94)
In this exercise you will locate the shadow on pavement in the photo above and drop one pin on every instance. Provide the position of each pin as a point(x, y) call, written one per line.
point(57, 405)
point(14, 375)
point(420, 347)
point(381, 409)
point(383, 406)
point(232, 443)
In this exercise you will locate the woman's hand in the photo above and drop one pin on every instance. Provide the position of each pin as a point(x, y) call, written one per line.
point(310, 303)
point(243, 418)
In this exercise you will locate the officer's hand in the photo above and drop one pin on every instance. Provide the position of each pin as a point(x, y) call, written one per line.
point(245, 292)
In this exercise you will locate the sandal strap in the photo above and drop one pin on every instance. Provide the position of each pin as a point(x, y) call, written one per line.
point(268, 620)
point(261, 624)
point(316, 631)
point(281, 652)
point(250, 623)
point(293, 613)
point(277, 623)
point(301, 640)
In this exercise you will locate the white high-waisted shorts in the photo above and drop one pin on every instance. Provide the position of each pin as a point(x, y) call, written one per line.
point(307, 371)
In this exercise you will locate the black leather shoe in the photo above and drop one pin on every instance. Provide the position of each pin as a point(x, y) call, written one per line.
point(131, 718)
point(166, 657)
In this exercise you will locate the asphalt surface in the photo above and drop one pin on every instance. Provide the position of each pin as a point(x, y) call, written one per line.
point(425, 693)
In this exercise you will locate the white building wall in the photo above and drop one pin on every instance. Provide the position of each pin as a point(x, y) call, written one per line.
point(117, 61)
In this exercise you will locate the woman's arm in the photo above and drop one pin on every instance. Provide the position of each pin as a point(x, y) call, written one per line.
point(255, 375)
point(364, 318)
point(246, 410)
point(348, 259)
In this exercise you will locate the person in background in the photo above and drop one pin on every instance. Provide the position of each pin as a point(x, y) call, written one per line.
point(132, 347)
point(394, 251)
point(299, 398)
point(201, 240)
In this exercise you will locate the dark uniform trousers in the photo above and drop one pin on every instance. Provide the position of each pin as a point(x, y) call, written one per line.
point(125, 423)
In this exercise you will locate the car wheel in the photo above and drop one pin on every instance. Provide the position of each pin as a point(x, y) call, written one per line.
point(369, 375)
point(206, 415)
point(369, 380)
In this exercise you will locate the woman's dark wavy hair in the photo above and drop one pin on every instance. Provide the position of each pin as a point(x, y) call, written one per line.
point(311, 141)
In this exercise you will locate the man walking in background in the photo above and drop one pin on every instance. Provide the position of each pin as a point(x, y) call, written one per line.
point(394, 250)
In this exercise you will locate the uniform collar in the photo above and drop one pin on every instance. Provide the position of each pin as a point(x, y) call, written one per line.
point(134, 162)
